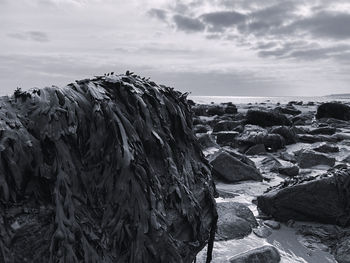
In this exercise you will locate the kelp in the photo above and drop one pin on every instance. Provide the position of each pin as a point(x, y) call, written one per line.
point(102, 170)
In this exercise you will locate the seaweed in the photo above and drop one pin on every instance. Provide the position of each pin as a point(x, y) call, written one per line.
point(103, 170)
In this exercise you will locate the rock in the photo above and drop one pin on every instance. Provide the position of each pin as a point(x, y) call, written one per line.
point(256, 149)
point(230, 108)
point(324, 200)
point(308, 159)
point(333, 110)
point(303, 118)
point(289, 157)
point(270, 163)
point(262, 232)
point(253, 135)
point(291, 110)
point(265, 254)
point(308, 138)
point(206, 140)
point(235, 221)
point(103, 170)
point(200, 128)
point(215, 110)
point(231, 169)
point(287, 133)
point(240, 157)
point(225, 194)
point(266, 118)
point(342, 251)
point(226, 126)
point(346, 159)
point(225, 137)
point(289, 170)
point(324, 130)
point(326, 148)
point(272, 224)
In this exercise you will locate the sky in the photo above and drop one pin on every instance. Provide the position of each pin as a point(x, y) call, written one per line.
point(206, 47)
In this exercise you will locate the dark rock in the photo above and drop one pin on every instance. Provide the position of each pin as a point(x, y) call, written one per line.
point(226, 126)
point(327, 148)
point(321, 200)
point(324, 130)
point(200, 128)
point(266, 118)
point(289, 170)
point(265, 254)
point(206, 140)
point(256, 149)
point(253, 135)
point(231, 109)
point(272, 224)
point(240, 157)
point(308, 159)
point(333, 110)
point(225, 137)
point(235, 221)
point(104, 170)
point(231, 169)
point(291, 110)
point(262, 232)
point(308, 138)
point(303, 118)
point(287, 133)
point(342, 251)
point(215, 110)
point(270, 163)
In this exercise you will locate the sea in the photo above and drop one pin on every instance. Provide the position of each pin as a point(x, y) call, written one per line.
point(272, 100)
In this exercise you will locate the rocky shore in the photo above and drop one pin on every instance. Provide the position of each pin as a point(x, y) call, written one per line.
point(283, 178)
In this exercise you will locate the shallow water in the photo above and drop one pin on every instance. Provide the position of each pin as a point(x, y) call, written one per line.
point(272, 100)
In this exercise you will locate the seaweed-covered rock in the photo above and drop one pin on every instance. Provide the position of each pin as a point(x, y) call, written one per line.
point(102, 170)
point(291, 110)
point(333, 110)
point(321, 200)
point(266, 118)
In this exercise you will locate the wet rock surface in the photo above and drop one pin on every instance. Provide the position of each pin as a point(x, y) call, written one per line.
point(103, 170)
point(265, 254)
point(229, 168)
point(235, 221)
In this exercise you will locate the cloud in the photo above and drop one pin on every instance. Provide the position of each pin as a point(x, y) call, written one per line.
point(223, 19)
point(36, 36)
point(158, 13)
point(330, 25)
point(188, 24)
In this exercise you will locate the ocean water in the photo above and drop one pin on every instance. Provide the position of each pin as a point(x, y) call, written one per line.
point(273, 100)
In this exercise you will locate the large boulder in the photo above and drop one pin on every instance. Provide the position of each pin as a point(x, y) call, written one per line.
point(235, 221)
point(265, 254)
point(102, 170)
point(225, 137)
point(291, 110)
point(253, 135)
point(333, 110)
point(226, 125)
point(229, 168)
point(289, 134)
point(266, 118)
point(321, 200)
point(308, 159)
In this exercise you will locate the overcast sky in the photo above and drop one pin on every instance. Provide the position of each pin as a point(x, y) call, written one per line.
point(207, 47)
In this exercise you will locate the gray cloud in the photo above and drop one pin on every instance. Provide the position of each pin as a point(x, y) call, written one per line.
point(331, 25)
point(158, 13)
point(188, 24)
point(37, 36)
point(223, 18)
